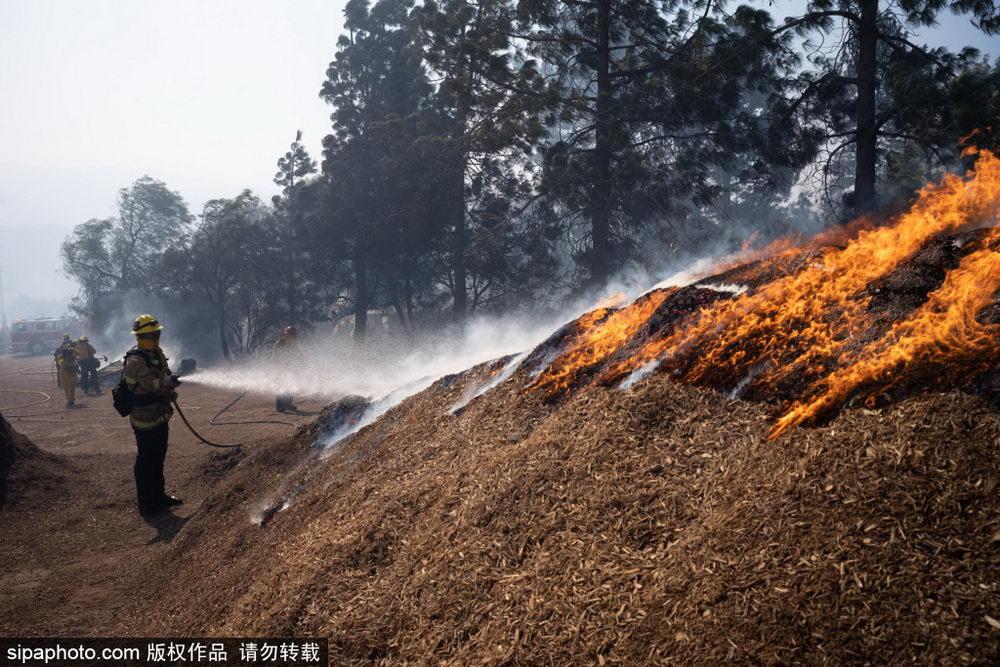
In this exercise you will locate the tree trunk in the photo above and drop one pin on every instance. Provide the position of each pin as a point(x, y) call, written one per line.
point(459, 242)
point(397, 302)
point(600, 203)
point(867, 134)
point(291, 295)
point(460, 237)
point(360, 294)
point(222, 333)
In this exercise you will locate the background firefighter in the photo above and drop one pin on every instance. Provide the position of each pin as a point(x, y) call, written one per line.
point(88, 365)
point(66, 362)
point(148, 377)
point(286, 353)
point(66, 342)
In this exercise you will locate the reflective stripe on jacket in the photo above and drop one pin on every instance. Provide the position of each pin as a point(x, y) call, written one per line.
point(147, 380)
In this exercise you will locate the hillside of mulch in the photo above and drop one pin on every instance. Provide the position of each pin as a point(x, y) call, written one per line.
point(643, 526)
point(25, 470)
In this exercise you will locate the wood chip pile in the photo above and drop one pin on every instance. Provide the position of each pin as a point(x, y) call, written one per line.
point(643, 526)
point(24, 469)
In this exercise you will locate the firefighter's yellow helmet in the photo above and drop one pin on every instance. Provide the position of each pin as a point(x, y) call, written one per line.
point(146, 324)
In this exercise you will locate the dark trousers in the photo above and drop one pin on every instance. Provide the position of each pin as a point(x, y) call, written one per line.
point(88, 375)
point(152, 451)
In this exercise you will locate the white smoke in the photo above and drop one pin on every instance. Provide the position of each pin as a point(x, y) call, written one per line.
point(388, 370)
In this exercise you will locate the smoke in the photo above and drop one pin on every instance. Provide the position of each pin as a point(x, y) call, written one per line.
point(388, 370)
point(186, 332)
point(475, 391)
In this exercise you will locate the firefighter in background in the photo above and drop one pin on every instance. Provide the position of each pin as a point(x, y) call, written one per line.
point(67, 364)
point(286, 353)
point(152, 384)
point(88, 365)
point(66, 341)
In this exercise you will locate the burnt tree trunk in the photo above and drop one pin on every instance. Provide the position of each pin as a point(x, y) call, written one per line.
point(360, 294)
point(600, 203)
point(867, 132)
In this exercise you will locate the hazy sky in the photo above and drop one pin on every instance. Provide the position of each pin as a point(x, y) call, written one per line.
point(202, 94)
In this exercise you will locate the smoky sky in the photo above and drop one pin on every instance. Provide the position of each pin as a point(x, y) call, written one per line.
point(202, 94)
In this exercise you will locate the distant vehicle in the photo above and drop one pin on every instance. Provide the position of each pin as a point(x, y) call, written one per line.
point(42, 335)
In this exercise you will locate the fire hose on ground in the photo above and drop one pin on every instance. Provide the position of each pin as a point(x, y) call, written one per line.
point(27, 391)
point(199, 435)
point(219, 414)
point(35, 417)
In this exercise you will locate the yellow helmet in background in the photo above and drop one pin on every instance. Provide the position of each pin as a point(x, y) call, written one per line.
point(145, 324)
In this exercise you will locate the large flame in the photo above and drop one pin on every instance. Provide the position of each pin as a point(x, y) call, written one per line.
point(943, 334)
point(599, 338)
point(814, 327)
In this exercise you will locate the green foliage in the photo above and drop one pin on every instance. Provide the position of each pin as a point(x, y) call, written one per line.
point(913, 92)
point(294, 165)
point(486, 155)
point(119, 254)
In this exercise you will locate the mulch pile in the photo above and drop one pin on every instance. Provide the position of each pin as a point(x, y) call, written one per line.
point(655, 523)
point(26, 470)
point(643, 526)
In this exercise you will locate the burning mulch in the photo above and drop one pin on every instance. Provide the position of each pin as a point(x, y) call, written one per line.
point(612, 501)
point(624, 527)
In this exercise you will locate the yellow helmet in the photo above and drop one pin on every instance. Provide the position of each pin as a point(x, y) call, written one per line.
point(66, 337)
point(146, 324)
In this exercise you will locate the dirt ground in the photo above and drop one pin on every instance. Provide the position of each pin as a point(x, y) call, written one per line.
point(67, 554)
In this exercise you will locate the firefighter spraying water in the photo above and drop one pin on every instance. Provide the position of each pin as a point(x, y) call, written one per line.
point(145, 393)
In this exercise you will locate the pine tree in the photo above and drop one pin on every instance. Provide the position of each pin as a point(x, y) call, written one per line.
point(872, 82)
point(489, 106)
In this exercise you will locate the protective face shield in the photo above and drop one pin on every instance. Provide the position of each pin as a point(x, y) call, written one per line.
point(148, 341)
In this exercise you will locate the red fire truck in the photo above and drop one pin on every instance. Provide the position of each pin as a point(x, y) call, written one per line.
point(43, 335)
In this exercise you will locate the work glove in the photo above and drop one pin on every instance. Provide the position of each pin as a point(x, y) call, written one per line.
point(171, 395)
point(176, 380)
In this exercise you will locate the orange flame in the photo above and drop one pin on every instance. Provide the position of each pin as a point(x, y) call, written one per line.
point(597, 341)
point(814, 326)
point(943, 332)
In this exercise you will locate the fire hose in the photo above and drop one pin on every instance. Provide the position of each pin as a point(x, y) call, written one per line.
point(259, 421)
point(199, 435)
point(180, 412)
point(41, 370)
point(27, 391)
point(36, 417)
point(208, 442)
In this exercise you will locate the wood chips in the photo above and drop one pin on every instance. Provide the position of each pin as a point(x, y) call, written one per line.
point(647, 526)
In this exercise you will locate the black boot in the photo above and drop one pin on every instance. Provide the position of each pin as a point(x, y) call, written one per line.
point(151, 509)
